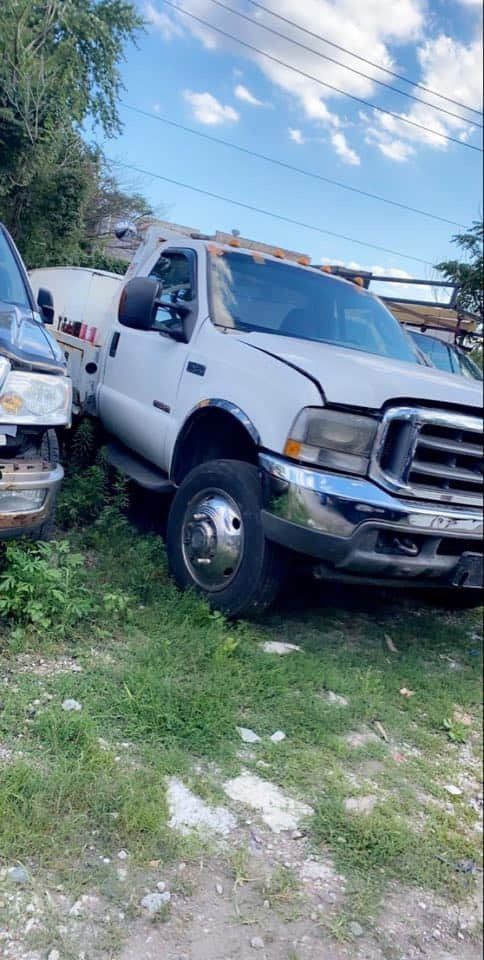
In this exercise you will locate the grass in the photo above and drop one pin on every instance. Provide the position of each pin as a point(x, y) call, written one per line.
point(165, 682)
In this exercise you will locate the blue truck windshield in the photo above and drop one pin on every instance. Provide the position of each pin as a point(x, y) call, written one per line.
point(252, 293)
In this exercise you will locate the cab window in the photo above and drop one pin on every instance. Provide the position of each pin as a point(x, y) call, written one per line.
point(175, 269)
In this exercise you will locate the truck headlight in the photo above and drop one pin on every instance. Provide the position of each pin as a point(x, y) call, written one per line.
point(332, 438)
point(35, 398)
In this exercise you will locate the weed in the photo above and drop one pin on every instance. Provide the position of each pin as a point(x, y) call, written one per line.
point(42, 587)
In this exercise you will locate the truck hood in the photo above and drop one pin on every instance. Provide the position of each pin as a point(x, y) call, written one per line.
point(26, 343)
point(354, 378)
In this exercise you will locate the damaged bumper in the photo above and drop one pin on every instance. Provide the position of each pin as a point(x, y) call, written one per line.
point(358, 531)
point(27, 488)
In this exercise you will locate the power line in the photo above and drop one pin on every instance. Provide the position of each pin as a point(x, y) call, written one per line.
point(322, 83)
point(269, 213)
point(371, 63)
point(324, 56)
point(287, 166)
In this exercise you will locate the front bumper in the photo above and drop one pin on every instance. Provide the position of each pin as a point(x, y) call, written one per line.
point(357, 530)
point(27, 488)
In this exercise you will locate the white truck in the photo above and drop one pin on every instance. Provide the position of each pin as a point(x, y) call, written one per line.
point(35, 400)
point(288, 414)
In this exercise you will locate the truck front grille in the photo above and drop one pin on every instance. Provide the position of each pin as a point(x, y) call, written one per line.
point(430, 455)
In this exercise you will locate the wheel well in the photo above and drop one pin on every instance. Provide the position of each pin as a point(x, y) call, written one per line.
point(211, 434)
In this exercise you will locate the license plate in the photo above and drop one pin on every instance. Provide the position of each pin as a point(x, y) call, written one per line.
point(468, 572)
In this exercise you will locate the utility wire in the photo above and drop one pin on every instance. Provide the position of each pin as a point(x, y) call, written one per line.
point(287, 166)
point(371, 63)
point(269, 213)
point(322, 83)
point(323, 56)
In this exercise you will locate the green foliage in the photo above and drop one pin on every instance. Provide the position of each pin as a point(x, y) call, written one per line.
point(42, 586)
point(82, 497)
point(59, 67)
point(469, 273)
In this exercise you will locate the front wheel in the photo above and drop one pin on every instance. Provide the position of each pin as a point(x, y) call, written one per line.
point(215, 539)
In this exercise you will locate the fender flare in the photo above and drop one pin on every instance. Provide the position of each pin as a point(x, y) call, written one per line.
point(219, 404)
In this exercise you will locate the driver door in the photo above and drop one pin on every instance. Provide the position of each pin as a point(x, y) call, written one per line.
point(143, 368)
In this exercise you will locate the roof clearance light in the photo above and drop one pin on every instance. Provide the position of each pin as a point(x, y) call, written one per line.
point(304, 261)
point(358, 281)
point(234, 242)
point(279, 254)
point(326, 269)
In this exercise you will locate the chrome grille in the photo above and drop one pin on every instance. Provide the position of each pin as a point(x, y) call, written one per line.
point(430, 455)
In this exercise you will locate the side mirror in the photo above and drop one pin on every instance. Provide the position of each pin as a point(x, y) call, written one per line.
point(137, 304)
point(45, 303)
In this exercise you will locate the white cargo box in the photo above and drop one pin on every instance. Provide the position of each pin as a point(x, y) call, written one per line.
point(85, 304)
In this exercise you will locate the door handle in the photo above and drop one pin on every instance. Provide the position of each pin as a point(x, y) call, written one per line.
point(114, 344)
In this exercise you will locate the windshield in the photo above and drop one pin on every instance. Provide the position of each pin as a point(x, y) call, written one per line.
point(252, 293)
point(12, 286)
point(446, 357)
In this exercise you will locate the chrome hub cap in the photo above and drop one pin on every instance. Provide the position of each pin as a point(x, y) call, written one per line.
point(212, 539)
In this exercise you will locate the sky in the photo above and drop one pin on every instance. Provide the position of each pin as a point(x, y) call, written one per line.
point(183, 71)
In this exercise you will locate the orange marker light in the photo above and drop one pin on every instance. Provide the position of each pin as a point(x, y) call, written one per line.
point(279, 254)
point(326, 269)
point(292, 449)
point(358, 281)
point(304, 261)
point(234, 242)
point(214, 250)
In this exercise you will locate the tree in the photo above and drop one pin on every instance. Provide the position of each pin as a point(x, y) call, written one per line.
point(59, 65)
point(469, 274)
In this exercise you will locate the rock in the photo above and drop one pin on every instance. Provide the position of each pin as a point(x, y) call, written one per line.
point(436, 934)
point(257, 943)
point(18, 875)
point(280, 648)
point(335, 699)
point(53, 955)
point(161, 886)
point(122, 855)
point(278, 811)
point(87, 904)
point(315, 870)
point(154, 902)
point(355, 929)
point(363, 805)
point(278, 736)
point(247, 735)
point(360, 738)
point(453, 790)
point(72, 705)
point(219, 888)
point(189, 812)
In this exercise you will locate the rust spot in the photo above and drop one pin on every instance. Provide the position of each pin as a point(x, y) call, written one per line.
point(13, 521)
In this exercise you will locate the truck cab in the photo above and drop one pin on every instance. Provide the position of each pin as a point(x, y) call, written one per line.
point(288, 415)
point(35, 399)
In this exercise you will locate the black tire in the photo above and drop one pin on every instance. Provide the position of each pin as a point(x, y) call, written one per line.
point(50, 451)
point(257, 580)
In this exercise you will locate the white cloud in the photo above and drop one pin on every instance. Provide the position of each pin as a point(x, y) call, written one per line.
point(472, 3)
point(446, 65)
point(296, 136)
point(360, 27)
point(157, 107)
point(244, 94)
point(452, 68)
point(344, 151)
point(208, 110)
point(396, 150)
